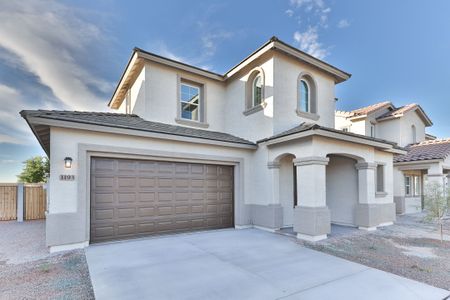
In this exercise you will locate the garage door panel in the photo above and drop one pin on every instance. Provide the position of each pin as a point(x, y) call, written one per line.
point(147, 197)
point(104, 214)
point(126, 197)
point(132, 198)
point(104, 198)
point(146, 211)
point(123, 182)
point(102, 181)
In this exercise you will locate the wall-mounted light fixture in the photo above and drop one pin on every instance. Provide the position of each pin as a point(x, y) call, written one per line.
point(68, 162)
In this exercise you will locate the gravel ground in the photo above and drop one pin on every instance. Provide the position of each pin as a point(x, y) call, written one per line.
point(28, 271)
point(410, 248)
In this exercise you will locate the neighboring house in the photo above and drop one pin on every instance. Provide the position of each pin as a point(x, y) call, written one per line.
point(193, 150)
point(427, 157)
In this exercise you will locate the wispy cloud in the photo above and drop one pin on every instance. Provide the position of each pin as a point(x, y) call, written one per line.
point(308, 41)
point(49, 39)
point(312, 17)
point(344, 23)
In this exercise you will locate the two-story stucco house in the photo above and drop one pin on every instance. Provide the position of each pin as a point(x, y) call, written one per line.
point(189, 149)
point(427, 158)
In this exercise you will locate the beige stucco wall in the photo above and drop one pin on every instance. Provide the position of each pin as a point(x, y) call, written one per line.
point(65, 142)
point(154, 96)
point(342, 189)
point(257, 125)
point(286, 74)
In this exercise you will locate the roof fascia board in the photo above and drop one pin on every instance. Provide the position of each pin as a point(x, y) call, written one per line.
point(249, 59)
point(135, 132)
point(125, 74)
point(337, 136)
point(47, 151)
point(179, 65)
point(341, 76)
point(422, 164)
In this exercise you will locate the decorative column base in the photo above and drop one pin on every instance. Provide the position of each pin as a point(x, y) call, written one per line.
point(370, 216)
point(312, 223)
point(311, 238)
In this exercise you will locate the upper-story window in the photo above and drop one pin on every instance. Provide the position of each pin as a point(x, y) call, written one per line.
point(257, 90)
point(306, 97)
point(413, 132)
point(372, 130)
point(254, 92)
point(190, 102)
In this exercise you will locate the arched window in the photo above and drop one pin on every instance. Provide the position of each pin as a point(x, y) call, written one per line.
point(304, 96)
point(413, 131)
point(307, 97)
point(257, 90)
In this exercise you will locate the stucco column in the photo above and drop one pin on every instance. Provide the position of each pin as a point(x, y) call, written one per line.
point(312, 219)
point(367, 213)
point(274, 168)
point(366, 182)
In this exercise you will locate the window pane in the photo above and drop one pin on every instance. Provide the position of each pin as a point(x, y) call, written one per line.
point(407, 185)
point(257, 90)
point(417, 186)
point(189, 111)
point(380, 178)
point(190, 102)
point(304, 96)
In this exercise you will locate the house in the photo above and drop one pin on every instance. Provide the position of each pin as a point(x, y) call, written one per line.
point(427, 158)
point(190, 149)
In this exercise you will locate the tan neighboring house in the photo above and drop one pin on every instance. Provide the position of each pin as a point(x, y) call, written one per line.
point(427, 158)
point(190, 149)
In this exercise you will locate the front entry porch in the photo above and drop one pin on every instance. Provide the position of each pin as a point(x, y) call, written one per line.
point(338, 186)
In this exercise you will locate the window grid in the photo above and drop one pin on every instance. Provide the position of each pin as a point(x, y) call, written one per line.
point(190, 102)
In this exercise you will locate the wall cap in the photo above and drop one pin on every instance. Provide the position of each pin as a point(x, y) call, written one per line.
point(311, 160)
point(365, 165)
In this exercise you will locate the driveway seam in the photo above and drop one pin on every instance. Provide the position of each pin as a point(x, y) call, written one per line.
point(325, 283)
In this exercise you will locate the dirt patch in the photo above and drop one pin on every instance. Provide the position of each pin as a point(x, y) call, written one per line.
point(390, 249)
point(63, 276)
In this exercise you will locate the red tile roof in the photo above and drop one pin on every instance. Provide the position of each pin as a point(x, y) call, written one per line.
point(427, 150)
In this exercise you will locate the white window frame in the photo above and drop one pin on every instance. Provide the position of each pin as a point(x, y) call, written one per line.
point(383, 175)
point(414, 134)
point(372, 130)
point(199, 105)
point(254, 104)
point(408, 186)
point(415, 185)
point(300, 95)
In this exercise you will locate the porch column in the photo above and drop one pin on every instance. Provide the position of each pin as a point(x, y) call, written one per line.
point(312, 219)
point(366, 212)
point(274, 168)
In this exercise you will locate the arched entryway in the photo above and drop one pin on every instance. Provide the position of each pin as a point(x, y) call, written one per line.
point(288, 194)
point(342, 189)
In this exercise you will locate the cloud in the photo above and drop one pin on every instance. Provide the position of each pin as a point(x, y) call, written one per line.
point(343, 23)
point(289, 12)
point(8, 139)
point(308, 41)
point(210, 41)
point(50, 40)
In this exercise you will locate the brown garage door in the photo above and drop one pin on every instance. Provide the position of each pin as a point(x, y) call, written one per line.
point(132, 198)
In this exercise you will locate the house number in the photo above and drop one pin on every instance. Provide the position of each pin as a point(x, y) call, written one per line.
point(67, 177)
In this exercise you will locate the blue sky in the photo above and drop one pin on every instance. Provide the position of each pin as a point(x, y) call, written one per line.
point(70, 54)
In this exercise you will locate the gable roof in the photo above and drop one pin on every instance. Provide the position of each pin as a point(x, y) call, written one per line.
point(394, 112)
point(365, 111)
point(304, 127)
point(119, 121)
point(402, 110)
point(139, 56)
point(427, 150)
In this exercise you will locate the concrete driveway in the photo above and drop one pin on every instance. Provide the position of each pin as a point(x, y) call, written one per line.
point(237, 264)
